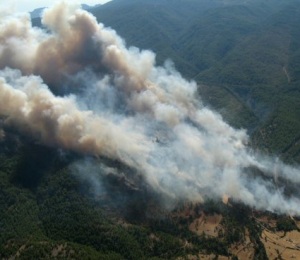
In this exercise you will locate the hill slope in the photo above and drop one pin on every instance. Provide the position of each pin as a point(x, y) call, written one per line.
point(244, 56)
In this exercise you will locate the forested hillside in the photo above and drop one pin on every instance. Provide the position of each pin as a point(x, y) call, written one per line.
point(47, 211)
point(244, 57)
point(60, 203)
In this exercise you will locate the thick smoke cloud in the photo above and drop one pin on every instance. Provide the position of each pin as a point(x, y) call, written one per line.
point(121, 106)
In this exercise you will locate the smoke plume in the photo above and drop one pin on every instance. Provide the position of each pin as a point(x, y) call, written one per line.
point(118, 104)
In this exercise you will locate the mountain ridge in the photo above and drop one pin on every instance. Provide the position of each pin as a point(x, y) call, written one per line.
point(227, 56)
point(245, 63)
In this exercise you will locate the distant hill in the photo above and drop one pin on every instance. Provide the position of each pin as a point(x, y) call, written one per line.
point(37, 13)
point(244, 55)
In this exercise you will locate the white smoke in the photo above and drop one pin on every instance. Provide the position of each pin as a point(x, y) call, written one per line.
point(125, 108)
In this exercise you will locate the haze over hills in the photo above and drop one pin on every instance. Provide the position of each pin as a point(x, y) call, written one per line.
point(107, 153)
point(246, 52)
point(37, 13)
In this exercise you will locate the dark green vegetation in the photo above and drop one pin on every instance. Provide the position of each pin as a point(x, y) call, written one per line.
point(47, 212)
point(56, 215)
point(246, 59)
point(244, 56)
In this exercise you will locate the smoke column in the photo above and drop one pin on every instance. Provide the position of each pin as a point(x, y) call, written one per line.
point(122, 106)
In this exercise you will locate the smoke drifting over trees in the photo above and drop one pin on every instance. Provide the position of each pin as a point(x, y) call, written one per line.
point(115, 102)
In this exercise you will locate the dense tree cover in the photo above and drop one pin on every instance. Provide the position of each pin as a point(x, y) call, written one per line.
point(286, 224)
point(57, 215)
point(245, 57)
